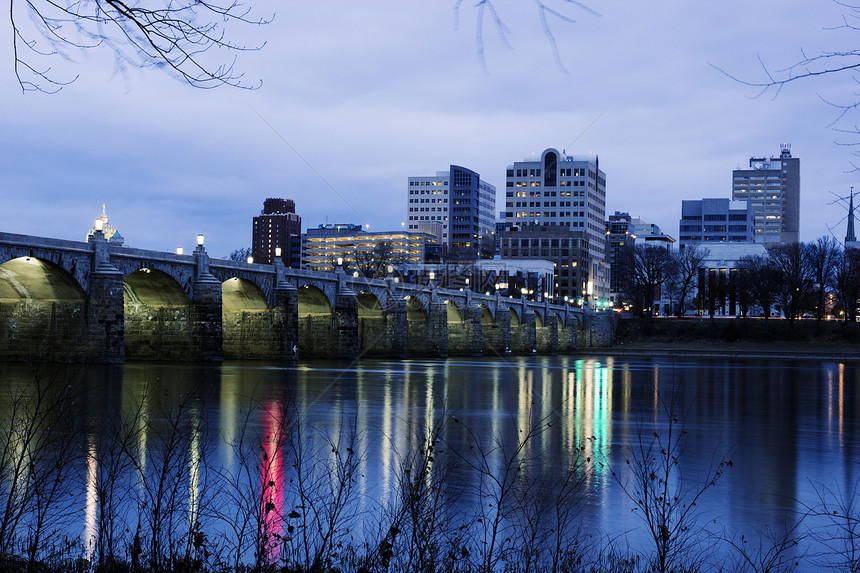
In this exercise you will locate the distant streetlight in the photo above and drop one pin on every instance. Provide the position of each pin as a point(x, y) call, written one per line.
point(179, 250)
point(100, 225)
point(278, 252)
point(200, 240)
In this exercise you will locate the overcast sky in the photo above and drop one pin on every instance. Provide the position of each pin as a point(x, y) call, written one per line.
point(357, 97)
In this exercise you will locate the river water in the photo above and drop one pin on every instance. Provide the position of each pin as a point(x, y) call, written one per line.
point(790, 428)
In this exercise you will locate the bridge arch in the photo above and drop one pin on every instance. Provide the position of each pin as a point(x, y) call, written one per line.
point(42, 310)
point(453, 312)
point(247, 325)
point(157, 316)
point(315, 322)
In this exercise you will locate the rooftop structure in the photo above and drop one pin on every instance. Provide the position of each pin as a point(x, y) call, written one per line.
point(772, 187)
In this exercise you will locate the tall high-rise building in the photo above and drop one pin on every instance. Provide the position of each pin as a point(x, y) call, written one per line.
point(772, 187)
point(462, 202)
point(275, 228)
point(567, 197)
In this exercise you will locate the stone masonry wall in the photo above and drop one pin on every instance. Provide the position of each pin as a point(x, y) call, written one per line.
point(600, 327)
point(464, 337)
point(316, 336)
point(523, 336)
point(42, 330)
point(373, 338)
point(106, 318)
point(496, 336)
point(153, 333)
point(397, 329)
point(546, 336)
point(567, 337)
point(249, 334)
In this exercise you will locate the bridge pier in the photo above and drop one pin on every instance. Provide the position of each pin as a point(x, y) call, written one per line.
point(106, 318)
point(523, 335)
point(567, 335)
point(105, 308)
point(437, 330)
point(496, 334)
point(206, 312)
point(397, 327)
point(546, 335)
point(345, 323)
point(286, 320)
point(469, 339)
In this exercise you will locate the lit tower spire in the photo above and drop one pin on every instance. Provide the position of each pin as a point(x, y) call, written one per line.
point(849, 235)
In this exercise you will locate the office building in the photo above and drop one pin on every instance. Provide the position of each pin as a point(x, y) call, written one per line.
point(716, 220)
point(462, 202)
point(624, 232)
point(555, 209)
point(360, 250)
point(717, 284)
point(277, 227)
point(772, 187)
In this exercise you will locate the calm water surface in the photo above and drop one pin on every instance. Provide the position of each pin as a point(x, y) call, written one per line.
point(788, 426)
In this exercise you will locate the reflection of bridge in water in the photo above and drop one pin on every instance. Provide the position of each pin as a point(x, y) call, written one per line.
point(99, 302)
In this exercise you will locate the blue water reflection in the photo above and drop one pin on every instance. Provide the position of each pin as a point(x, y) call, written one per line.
point(789, 427)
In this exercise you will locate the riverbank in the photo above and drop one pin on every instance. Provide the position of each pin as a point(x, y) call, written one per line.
point(737, 338)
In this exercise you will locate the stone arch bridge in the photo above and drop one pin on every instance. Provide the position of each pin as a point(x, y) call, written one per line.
point(93, 301)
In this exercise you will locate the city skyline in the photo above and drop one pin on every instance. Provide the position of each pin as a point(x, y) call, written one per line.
point(357, 100)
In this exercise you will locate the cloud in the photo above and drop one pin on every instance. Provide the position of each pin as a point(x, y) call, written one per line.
point(360, 97)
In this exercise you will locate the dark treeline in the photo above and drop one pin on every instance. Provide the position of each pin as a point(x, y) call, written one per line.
point(796, 280)
point(151, 495)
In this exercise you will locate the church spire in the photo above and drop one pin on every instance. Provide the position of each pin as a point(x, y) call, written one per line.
point(849, 235)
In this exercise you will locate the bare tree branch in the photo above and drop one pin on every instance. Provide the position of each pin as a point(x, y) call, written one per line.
point(486, 9)
point(174, 36)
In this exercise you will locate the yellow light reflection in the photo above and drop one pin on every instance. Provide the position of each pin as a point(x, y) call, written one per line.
point(90, 512)
point(194, 468)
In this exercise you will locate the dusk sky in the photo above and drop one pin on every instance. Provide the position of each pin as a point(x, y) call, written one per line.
point(357, 97)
